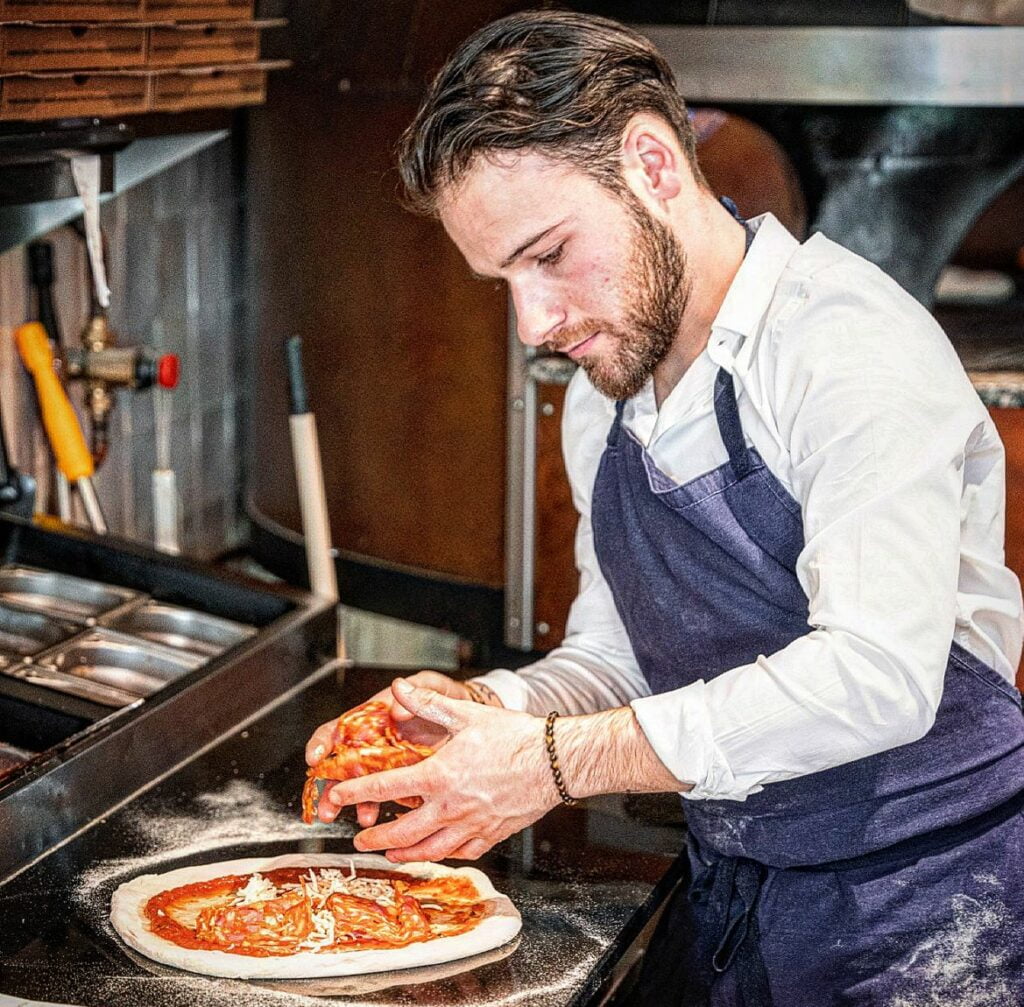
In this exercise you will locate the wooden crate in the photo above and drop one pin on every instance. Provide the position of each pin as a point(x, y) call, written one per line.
point(71, 10)
point(199, 10)
point(29, 48)
point(61, 96)
point(203, 44)
point(208, 87)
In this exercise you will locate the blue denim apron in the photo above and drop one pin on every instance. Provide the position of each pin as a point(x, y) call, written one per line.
point(846, 886)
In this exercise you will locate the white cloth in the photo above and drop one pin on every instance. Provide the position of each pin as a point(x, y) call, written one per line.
point(857, 402)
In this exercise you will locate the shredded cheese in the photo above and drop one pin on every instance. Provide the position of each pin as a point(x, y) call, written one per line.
point(257, 889)
point(317, 887)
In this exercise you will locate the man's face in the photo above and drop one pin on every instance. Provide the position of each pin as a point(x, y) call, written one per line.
point(591, 274)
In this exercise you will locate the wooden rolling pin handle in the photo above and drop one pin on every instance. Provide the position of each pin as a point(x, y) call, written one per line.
point(59, 417)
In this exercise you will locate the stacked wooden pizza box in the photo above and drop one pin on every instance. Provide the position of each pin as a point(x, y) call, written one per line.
point(123, 57)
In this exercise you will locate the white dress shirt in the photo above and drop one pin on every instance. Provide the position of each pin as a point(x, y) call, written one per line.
point(858, 404)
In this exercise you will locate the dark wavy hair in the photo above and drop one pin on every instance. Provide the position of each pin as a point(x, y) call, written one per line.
point(556, 82)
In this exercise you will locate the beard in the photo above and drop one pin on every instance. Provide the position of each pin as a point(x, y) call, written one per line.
point(657, 290)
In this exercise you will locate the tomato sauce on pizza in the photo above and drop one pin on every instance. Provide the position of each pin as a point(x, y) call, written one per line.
point(290, 910)
point(365, 741)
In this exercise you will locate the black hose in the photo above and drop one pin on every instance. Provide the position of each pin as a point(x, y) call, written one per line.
point(40, 264)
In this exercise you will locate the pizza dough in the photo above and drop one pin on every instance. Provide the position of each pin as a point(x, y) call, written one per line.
point(501, 922)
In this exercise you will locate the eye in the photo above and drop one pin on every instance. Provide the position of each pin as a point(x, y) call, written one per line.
point(550, 258)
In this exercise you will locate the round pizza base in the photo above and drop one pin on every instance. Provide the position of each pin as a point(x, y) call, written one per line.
point(501, 922)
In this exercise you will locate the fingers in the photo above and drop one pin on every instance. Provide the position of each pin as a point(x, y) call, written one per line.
point(422, 679)
point(430, 705)
point(473, 849)
point(367, 813)
point(321, 741)
point(376, 788)
point(434, 847)
point(405, 830)
point(422, 835)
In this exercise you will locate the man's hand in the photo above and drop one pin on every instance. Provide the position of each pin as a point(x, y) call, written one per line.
point(408, 725)
point(490, 779)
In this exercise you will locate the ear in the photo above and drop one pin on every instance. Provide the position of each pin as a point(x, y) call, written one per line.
point(653, 163)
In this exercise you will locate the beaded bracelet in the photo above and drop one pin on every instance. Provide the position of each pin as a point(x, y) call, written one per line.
point(556, 772)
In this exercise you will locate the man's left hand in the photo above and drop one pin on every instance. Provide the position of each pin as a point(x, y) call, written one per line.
point(490, 780)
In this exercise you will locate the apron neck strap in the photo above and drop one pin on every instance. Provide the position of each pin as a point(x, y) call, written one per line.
point(726, 410)
point(613, 433)
point(734, 210)
point(728, 415)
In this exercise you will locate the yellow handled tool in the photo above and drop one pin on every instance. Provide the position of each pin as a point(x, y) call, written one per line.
point(60, 419)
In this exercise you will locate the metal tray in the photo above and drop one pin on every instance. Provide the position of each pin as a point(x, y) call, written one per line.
point(60, 594)
point(180, 628)
point(113, 660)
point(24, 633)
point(72, 685)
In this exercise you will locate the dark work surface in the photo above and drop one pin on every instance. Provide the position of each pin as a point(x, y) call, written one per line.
point(585, 879)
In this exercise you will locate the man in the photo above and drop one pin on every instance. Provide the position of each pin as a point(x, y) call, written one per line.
point(793, 605)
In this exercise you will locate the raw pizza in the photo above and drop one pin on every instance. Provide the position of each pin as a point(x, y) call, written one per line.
point(365, 741)
point(309, 915)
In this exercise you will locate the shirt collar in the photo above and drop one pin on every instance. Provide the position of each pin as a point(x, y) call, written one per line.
point(753, 286)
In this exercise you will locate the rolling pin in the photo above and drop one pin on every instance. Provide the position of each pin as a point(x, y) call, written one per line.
point(309, 478)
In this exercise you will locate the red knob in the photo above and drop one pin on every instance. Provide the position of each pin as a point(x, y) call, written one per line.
point(168, 370)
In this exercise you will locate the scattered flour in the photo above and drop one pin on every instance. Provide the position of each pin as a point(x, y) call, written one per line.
point(188, 991)
point(993, 880)
point(963, 965)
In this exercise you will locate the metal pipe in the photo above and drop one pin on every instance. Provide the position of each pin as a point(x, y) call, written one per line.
point(91, 503)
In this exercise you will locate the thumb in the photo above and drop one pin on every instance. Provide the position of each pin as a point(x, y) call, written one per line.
point(430, 705)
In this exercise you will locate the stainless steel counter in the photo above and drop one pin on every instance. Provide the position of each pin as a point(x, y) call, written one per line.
point(586, 880)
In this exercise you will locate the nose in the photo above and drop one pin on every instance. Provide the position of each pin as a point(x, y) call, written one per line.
point(538, 314)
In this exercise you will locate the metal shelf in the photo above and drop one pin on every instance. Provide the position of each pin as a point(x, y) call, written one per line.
point(959, 66)
point(138, 161)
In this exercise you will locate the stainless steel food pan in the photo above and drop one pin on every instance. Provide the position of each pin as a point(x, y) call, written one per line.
point(24, 633)
point(60, 594)
point(180, 628)
point(73, 685)
point(121, 662)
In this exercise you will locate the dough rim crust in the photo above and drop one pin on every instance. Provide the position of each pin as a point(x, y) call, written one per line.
point(500, 924)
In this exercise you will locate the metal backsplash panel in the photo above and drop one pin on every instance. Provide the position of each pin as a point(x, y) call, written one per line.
point(174, 265)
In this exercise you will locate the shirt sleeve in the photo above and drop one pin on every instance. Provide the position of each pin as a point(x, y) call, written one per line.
point(878, 417)
point(594, 668)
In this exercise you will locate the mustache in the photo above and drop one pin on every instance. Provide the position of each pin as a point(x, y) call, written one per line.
point(578, 333)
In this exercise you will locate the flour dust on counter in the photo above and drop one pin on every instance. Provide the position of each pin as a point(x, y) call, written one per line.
point(575, 936)
point(189, 991)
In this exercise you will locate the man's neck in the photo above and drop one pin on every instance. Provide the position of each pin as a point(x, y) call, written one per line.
point(711, 267)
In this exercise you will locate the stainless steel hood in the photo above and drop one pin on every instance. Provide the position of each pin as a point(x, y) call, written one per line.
point(961, 66)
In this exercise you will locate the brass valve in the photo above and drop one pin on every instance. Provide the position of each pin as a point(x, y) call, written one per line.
point(105, 367)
